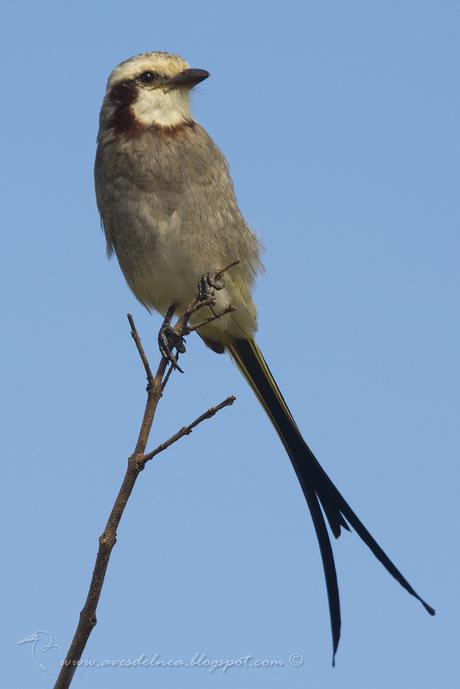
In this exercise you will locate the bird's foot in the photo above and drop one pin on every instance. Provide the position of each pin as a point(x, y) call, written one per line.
point(209, 283)
point(207, 286)
point(172, 338)
point(169, 339)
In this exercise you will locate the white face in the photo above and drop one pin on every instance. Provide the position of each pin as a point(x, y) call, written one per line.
point(165, 108)
point(154, 103)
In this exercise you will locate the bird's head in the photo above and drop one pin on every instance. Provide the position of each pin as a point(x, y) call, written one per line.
point(30, 639)
point(151, 89)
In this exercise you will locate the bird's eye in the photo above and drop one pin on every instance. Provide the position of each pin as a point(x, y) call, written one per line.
point(148, 77)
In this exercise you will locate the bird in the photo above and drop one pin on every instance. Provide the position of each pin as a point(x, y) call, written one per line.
point(169, 212)
point(41, 642)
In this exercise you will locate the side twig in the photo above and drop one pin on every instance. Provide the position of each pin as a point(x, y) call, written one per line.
point(136, 463)
point(186, 430)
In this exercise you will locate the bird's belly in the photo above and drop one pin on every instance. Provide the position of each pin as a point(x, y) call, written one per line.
point(160, 263)
point(163, 255)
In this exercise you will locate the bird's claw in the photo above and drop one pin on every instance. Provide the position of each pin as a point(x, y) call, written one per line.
point(168, 340)
point(169, 337)
point(208, 284)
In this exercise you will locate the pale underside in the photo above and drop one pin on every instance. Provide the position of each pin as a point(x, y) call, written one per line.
point(169, 212)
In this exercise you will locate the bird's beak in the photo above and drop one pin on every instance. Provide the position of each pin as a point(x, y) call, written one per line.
point(187, 79)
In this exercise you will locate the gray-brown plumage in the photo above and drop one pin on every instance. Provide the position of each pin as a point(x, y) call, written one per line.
point(169, 212)
point(171, 187)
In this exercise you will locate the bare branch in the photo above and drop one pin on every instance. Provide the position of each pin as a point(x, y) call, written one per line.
point(229, 309)
point(140, 349)
point(136, 463)
point(186, 430)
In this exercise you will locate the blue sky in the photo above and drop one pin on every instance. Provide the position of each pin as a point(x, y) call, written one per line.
point(340, 124)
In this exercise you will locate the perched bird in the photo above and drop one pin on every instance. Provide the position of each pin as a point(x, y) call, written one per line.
point(169, 212)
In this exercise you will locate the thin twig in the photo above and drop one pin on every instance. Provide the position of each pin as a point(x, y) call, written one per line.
point(140, 349)
point(220, 272)
point(186, 430)
point(137, 461)
point(229, 309)
point(168, 373)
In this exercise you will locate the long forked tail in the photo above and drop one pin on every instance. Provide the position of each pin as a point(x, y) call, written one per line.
point(320, 493)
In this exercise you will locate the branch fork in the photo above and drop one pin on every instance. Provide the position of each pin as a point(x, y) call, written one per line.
point(156, 384)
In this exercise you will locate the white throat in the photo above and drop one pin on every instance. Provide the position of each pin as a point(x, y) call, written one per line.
point(166, 109)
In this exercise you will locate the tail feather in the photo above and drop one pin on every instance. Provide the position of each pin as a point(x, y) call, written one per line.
point(319, 490)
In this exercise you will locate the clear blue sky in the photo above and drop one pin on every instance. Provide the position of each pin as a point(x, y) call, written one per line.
point(340, 123)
